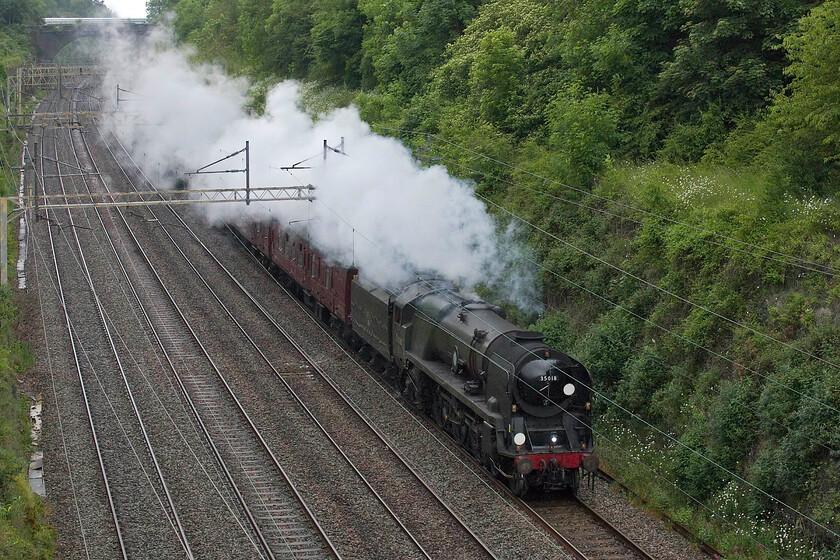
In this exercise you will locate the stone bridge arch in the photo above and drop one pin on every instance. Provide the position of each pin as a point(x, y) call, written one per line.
point(57, 33)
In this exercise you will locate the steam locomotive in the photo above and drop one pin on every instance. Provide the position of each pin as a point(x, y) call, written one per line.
point(519, 407)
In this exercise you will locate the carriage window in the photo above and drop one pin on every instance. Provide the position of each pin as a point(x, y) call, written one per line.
point(312, 272)
point(328, 278)
point(300, 255)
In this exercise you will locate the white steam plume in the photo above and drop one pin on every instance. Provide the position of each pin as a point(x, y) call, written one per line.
point(376, 206)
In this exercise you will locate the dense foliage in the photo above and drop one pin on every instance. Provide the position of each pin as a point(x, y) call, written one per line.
point(24, 531)
point(676, 77)
point(676, 163)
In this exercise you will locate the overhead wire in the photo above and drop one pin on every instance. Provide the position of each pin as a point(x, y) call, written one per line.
point(653, 285)
point(674, 440)
point(632, 414)
point(616, 404)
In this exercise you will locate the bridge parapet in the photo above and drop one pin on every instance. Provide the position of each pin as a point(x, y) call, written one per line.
point(52, 21)
point(56, 33)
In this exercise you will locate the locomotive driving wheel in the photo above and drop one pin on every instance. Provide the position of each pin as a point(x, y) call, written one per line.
point(438, 412)
point(518, 484)
point(409, 390)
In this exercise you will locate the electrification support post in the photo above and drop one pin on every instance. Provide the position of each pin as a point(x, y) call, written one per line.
point(4, 250)
point(325, 149)
point(118, 97)
point(8, 101)
point(34, 189)
point(20, 96)
point(247, 173)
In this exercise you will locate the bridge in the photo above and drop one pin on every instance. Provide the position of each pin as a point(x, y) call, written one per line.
point(56, 33)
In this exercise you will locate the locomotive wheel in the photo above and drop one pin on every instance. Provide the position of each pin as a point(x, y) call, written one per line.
point(409, 391)
point(464, 434)
point(518, 485)
point(437, 410)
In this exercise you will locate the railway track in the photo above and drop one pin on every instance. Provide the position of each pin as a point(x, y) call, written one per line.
point(583, 531)
point(276, 512)
point(591, 536)
point(138, 532)
point(585, 534)
point(101, 374)
point(309, 387)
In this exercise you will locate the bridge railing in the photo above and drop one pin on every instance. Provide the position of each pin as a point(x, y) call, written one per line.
point(94, 21)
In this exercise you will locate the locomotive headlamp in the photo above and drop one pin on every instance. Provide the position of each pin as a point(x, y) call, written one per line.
point(569, 389)
point(524, 465)
point(553, 438)
point(519, 438)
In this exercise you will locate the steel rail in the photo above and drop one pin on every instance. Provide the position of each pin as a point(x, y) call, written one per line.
point(64, 446)
point(681, 529)
point(332, 385)
point(254, 430)
point(303, 406)
point(175, 520)
point(624, 540)
point(338, 393)
point(217, 454)
point(193, 409)
point(100, 459)
point(100, 310)
point(502, 488)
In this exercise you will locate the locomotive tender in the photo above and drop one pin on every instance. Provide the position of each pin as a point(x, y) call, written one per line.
point(521, 408)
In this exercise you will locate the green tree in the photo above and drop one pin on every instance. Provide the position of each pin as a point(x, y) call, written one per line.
point(405, 42)
point(807, 118)
point(253, 35)
point(732, 52)
point(496, 75)
point(582, 132)
point(336, 41)
point(156, 9)
point(286, 49)
point(20, 11)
